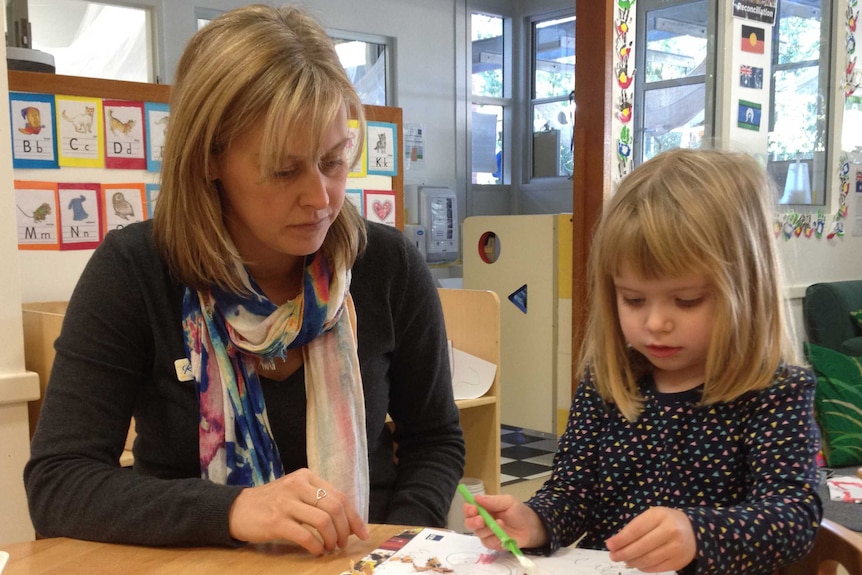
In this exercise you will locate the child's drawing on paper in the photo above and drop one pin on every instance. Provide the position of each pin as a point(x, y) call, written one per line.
point(435, 551)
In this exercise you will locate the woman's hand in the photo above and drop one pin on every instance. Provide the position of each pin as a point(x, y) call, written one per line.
point(293, 508)
point(659, 539)
point(518, 521)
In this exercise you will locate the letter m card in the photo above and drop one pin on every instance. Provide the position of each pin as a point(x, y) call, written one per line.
point(36, 215)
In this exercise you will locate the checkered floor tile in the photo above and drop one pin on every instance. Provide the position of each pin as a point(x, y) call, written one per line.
point(525, 454)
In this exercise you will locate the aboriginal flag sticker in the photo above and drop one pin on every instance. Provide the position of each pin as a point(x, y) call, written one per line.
point(752, 39)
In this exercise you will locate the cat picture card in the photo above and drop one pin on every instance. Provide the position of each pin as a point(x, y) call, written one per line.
point(157, 115)
point(34, 133)
point(380, 206)
point(80, 131)
point(382, 145)
point(36, 215)
point(125, 145)
point(80, 213)
point(123, 204)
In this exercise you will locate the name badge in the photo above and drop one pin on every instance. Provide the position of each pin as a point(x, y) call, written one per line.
point(184, 370)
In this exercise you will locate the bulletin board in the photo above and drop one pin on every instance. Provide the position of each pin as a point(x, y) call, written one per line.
point(377, 189)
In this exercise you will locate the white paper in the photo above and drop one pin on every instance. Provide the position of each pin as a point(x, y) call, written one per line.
point(465, 554)
point(471, 376)
point(845, 488)
point(484, 143)
point(3, 558)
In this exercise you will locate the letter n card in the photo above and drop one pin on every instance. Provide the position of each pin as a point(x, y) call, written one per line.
point(80, 214)
point(36, 215)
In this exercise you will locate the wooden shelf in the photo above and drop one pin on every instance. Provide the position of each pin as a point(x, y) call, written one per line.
point(473, 325)
point(469, 403)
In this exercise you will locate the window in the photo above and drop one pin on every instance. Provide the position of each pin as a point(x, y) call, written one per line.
point(674, 67)
point(203, 16)
point(552, 97)
point(490, 106)
point(798, 117)
point(95, 40)
point(365, 60)
point(362, 56)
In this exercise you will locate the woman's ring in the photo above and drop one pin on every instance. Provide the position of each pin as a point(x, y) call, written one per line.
point(321, 493)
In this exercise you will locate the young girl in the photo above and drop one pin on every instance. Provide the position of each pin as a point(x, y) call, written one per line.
point(691, 440)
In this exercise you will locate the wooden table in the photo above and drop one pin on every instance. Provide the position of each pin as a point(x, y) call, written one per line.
point(64, 556)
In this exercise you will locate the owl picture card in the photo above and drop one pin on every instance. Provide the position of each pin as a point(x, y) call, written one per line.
point(34, 134)
point(36, 215)
point(125, 143)
point(80, 214)
point(123, 204)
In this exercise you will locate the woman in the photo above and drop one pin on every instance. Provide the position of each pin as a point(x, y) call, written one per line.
point(258, 329)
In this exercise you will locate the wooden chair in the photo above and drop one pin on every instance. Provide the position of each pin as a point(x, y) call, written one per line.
point(42, 322)
point(835, 545)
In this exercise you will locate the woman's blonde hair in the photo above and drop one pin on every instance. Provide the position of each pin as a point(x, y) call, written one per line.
point(254, 66)
point(691, 211)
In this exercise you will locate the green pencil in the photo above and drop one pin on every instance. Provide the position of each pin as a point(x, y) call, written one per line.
point(505, 540)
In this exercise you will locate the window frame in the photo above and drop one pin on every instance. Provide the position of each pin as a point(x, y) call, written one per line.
point(506, 102)
point(532, 101)
point(151, 16)
point(820, 175)
point(389, 47)
point(642, 88)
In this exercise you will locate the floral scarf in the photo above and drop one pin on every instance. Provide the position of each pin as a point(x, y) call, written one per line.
point(228, 335)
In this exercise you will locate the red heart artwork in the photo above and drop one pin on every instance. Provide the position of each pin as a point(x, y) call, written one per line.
point(382, 209)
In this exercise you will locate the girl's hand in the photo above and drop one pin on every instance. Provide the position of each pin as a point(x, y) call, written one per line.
point(519, 521)
point(659, 539)
point(288, 508)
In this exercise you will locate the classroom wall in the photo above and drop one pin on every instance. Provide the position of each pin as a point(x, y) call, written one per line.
point(425, 70)
point(431, 83)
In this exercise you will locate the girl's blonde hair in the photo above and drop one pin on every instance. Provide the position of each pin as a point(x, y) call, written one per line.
point(691, 211)
point(254, 66)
